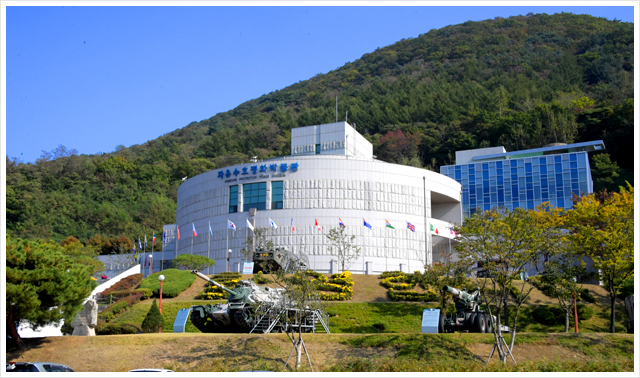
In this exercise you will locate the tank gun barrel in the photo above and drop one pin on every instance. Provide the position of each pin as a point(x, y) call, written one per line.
point(213, 282)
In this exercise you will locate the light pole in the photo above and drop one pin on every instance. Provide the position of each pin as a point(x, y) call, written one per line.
point(161, 278)
point(426, 227)
point(229, 261)
point(150, 257)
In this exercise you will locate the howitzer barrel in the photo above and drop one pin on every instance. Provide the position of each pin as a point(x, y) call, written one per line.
point(456, 292)
point(213, 282)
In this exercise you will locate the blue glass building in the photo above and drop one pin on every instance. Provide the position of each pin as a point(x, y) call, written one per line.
point(492, 177)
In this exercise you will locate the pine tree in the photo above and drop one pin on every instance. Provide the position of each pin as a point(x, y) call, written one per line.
point(154, 321)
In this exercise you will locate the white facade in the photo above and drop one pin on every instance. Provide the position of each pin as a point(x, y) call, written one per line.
point(342, 181)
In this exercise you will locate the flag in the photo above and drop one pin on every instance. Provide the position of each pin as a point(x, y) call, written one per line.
point(139, 244)
point(210, 232)
point(231, 225)
point(341, 222)
point(164, 237)
point(145, 261)
point(434, 228)
point(317, 225)
point(145, 241)
point(453, 232)
point(194, 230)
point(293, 228)
point(154, 238)
point(249, 225)
point(273, 224)
point(389, 225)
point(411, 227)
point(367, 225)
point(134, 247)
point(178, 228)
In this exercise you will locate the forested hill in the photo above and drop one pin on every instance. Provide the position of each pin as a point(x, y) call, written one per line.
point(521, 82)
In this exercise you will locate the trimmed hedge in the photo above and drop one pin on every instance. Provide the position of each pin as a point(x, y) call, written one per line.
point(226, 279)
point(116, 329)
point(175, 282)
point(340, 283)
point(127, 284)
point(397, 295)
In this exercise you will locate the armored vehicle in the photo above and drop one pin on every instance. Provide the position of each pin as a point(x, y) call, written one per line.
point(468, 317)
point(238, 314)
point(270, 260)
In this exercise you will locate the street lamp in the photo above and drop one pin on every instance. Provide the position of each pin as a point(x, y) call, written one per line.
point(150, 257)
point(161, 278)
point(229, 261)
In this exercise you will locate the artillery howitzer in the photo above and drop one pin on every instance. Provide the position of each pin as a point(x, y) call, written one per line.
point(238, 314)
point(251, 308)
point(468, 316)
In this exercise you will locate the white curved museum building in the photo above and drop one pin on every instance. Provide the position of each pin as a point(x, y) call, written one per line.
point(331, 176)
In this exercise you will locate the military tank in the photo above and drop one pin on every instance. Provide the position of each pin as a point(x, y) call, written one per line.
point(238, 315)
point(270, 260)
point(468, 317)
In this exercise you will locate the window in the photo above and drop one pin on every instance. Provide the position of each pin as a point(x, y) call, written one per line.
point(317, 149)
point(276, 195)
point(254, 196)
point(233, 199)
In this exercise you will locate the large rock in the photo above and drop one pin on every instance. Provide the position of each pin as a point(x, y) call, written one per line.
point(87, 319)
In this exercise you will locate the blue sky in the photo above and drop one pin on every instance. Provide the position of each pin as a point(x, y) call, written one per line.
point(92, 78)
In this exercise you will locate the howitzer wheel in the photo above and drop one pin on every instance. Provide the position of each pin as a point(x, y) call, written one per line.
point(480, 325)
point(204, 324)
point(244, 318)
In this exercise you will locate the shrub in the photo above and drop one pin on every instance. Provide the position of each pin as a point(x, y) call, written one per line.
point(548, 315)
point(146, 293)
point(380, 327)
point(429, 296)
point(154, 320)
point(260, 278)
point(394, 273)
point(587, 297)
point(175, 282)
point(127, 283)
point(116, 329)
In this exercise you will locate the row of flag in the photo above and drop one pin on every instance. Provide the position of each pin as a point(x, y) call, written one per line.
point(145, 242)
point(272, 224)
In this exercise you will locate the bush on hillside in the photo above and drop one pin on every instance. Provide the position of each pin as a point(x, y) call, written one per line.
point(587, 297)
point(121, 306)
point(175, 282)
point(410, 295)
point(154, 321)
point(127, 283)
point(116, 329)
point(553, 315)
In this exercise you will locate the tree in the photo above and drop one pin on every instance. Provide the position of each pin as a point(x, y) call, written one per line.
point(257, 239)
point(82, 254)
point(301, 296)
point(43, 285)
point(506, 243)
point(154, 321)
point(561, 276)
point(604, 171)
point(192, 262)
point(448, 272)
point(343, 247)
point(601, 227)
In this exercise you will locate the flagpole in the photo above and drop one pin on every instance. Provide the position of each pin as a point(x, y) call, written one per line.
point(152, 245)
point(177, 239)
point(209, 247)
point(192, 237)
point(227, 251)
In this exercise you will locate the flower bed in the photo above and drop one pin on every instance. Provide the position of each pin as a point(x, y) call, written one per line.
point(226, 279)
point(341, 284)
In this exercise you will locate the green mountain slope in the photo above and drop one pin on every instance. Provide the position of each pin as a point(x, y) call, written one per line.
point(521, 82)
